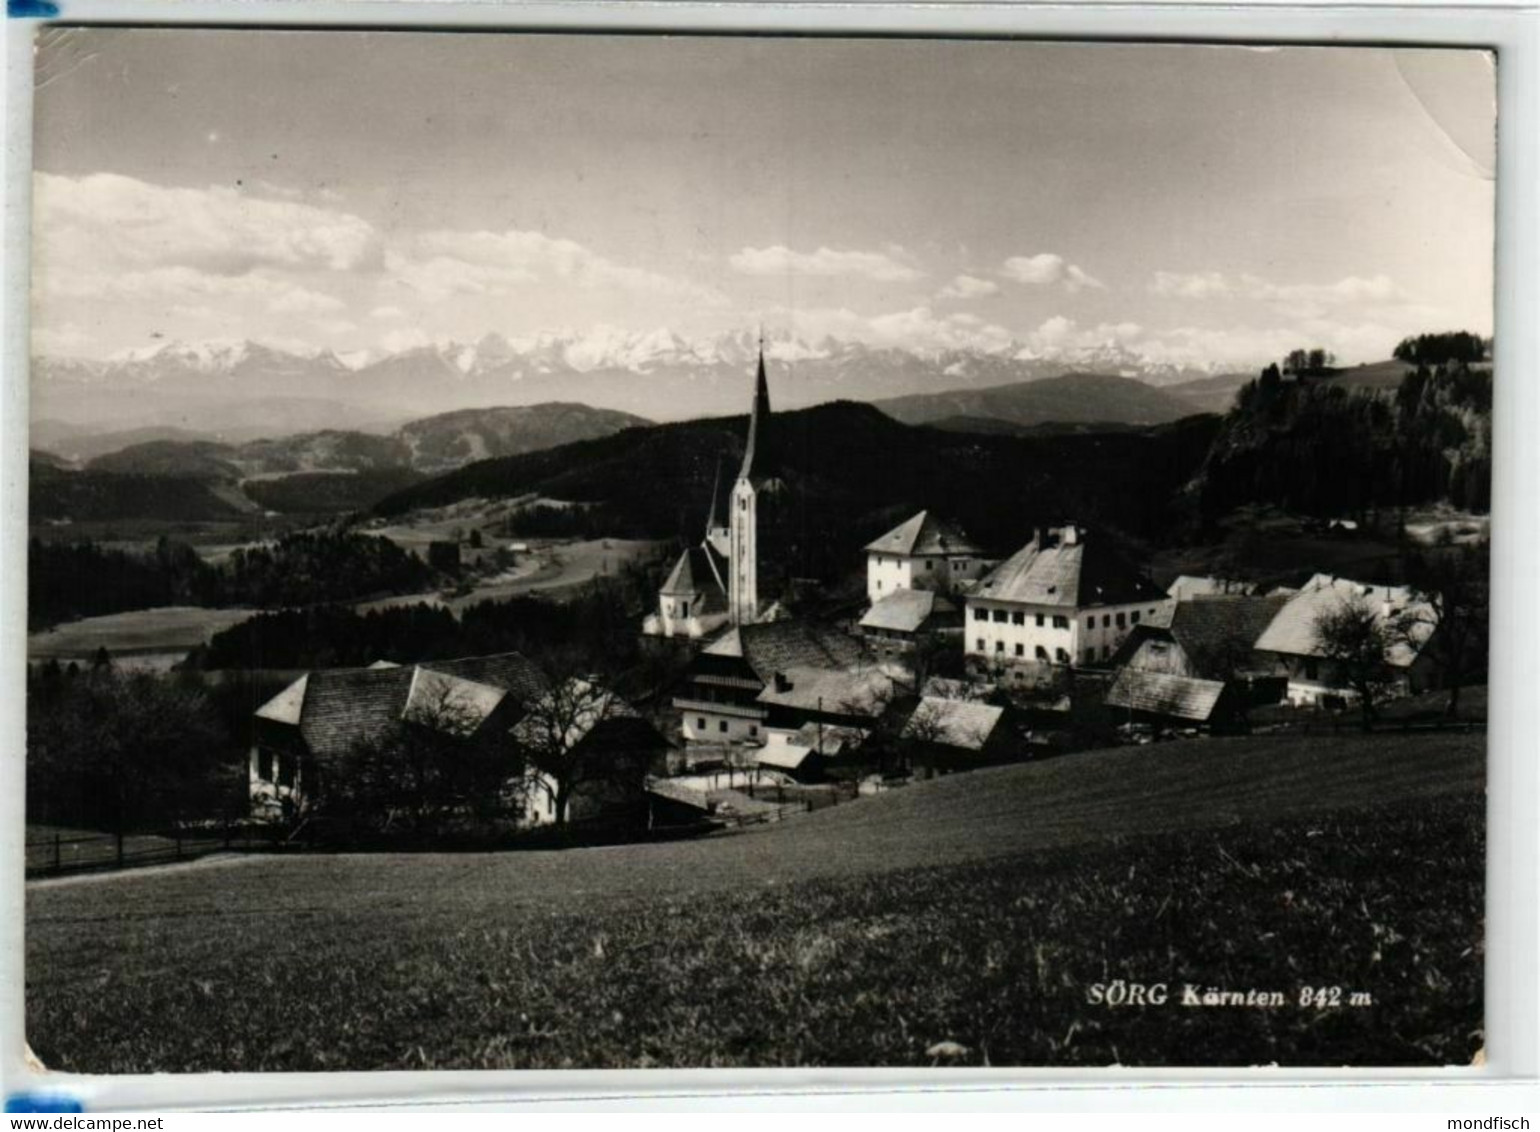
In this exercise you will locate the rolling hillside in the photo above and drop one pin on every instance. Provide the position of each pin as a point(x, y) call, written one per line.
point(460, 437)
point(975, 909)
point(1071, 399)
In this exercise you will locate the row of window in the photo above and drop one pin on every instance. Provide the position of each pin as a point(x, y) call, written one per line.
point(700, 725)
point(930, 563)
point(1001, 616)
point(1039, 653)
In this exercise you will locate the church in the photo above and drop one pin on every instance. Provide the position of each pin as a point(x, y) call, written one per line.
point(732, 576)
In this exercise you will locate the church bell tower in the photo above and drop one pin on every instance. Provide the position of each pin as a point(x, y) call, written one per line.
point(743, 523)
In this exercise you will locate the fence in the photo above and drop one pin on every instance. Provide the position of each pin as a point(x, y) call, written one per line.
point(64, 852)
point(1351, 724)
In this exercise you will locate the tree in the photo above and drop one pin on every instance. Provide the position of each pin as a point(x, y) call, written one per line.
point(121, 752)
point(441, 765)
point(554, 735)
point(1356, 640)
point(1451, 616)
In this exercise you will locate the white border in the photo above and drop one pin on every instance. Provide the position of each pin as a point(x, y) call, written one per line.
point(1513, 956)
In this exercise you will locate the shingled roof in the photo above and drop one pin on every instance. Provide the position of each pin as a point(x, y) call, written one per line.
point(1162, 693)
point(1293, 629)
point(775, 646)
point(1072, 570)
point(923, 534)
point(904, 611)
point(335, 709)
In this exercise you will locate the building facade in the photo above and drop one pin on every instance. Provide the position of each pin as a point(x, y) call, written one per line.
point(922, 553)
point(1065, 599)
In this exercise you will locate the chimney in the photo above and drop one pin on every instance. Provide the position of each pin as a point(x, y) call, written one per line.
point(1069, 535)
point(782, 682)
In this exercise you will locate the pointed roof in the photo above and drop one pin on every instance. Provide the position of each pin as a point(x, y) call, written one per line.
point(712, 521)
point(698, 571)
point(757, 459)
point(923, 534)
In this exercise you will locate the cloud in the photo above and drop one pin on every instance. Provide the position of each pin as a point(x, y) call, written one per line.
point(405, 339)
point(441, 264)
point(881, 267)
point(1247, 346)
point(388, 314)
point(104, 221)
point(968, 287)
point(1047, 269)
point(1300, 299)
point(59, 341)
point(919, 329)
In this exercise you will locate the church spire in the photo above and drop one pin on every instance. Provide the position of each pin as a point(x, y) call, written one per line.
point(755, 455)
point(713, 520)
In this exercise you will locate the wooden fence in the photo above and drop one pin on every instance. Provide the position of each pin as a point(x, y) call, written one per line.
point(61, 854)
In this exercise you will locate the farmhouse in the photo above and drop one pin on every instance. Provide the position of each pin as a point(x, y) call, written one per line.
point(895, 623)
point(1291, 648)
point(1189, 586)
point(302, 733)
point(922, 553)
point(719, 699)
point(1066, 598)
point(945, 734)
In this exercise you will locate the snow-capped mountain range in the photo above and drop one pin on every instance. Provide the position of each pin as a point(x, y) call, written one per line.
point(658, 374)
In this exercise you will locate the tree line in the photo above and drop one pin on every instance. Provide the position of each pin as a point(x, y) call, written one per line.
point(67, 580)
point(1325, 449)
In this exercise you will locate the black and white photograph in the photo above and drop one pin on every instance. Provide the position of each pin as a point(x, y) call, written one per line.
point(598, 551)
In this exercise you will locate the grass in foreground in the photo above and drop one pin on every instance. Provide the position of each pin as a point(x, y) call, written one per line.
point(997, 956)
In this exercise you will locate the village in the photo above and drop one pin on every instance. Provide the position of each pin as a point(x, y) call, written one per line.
point(959, 658)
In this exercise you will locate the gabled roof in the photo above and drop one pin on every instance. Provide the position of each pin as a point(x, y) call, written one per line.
point(921, 535)
point(335, 709)
point(966, 724)
point(1293, 630)
point(1161, 693)
point(1207, 627)
point(775, 646)
point(1052, 570)
point(904, 611)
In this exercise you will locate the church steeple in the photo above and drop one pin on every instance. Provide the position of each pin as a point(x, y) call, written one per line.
point(713, 520)
point(756, 456)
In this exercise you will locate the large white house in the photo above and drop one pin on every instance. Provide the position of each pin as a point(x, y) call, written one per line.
point(921, 553)
point(1066, 598)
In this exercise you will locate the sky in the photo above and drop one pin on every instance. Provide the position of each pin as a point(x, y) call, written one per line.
point(367, 191)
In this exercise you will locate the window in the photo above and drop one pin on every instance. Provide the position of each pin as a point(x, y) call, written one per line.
point(265, 765)
point(1000, 616)
point(981, 644)
point(981, 614)
point(879, 587)
point(1312, 669)
point(1122, 621)
point(1060, 622)
point(1106, 652)
point(1090, 622)
point(1018, 619)
point(1021, 650)
point(1134, 617)
point(743, 503)
point(722, 725)
point(1106, 620)
point(684, 609)
point(753, 729)
point(929, 565)
point(1061, 656)
point(1040, 653)
point(285, 772)
point(700, 723)
point(999, 646)
point(1039, 620)
point(1152, 611)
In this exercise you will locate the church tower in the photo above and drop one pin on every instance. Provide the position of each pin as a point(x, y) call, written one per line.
point(743, 523)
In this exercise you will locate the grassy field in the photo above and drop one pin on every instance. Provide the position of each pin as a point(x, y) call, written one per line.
point(978, 910)
point(168, 632)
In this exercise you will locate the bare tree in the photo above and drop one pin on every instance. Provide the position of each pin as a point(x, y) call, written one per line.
point(1451, 617)
point(554, 737)
point(1356, 640)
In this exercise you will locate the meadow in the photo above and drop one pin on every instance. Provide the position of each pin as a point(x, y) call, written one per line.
point(960, 921)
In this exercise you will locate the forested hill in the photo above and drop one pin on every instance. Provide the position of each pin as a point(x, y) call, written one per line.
point(1326, 448)
point(854, 471)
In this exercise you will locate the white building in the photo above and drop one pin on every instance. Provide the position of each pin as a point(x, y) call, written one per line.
point(1063, 599)
point(922, 553)
point(1291, 645)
